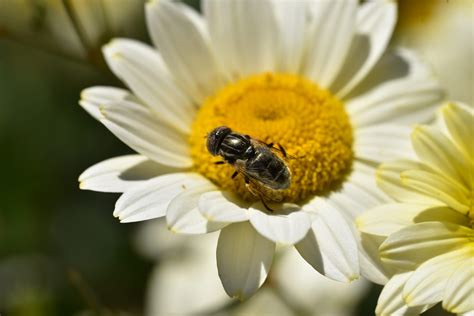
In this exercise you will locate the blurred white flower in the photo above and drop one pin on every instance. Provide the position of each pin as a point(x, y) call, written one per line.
point(311, 75)
point(185, 282)
point(75, 28)
point(442, 32)
point(429, 231)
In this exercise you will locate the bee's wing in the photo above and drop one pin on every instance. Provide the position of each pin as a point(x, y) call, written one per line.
point(257, 188)
point(280, 152)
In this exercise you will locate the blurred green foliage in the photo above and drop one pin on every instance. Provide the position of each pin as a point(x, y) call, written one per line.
point(48, 227)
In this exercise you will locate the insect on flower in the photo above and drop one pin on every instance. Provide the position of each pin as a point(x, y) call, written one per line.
point(266, 174)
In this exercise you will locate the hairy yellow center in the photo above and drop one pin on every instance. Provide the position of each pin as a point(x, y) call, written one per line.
point(309, 122)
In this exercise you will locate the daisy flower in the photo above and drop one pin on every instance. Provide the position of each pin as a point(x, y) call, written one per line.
point(311, 75)
point(186, 272)
point(429, 230)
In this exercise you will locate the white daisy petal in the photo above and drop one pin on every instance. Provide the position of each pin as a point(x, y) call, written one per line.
point(371, 267)
point(183, 216)
point(292, 22)
point(151, 198)
point(120, 173)
point(396, 65)
point(92, 98)
point(389, 180)
point(435, 185)
point(371, 143)
point(410, 98)
point(190, 275)
point(329, 39)
point(375, 23)
point(223, 206)
point(426, 285)
point(459, 121)
point(391, 300)
point(459, 291)
point(330, 246)
point(243, 35)
point(143, 70)
point(363, 175)
point(412, 245)
point(137, 127)
point(175, 33)
point(436, 150)
point(243, 259)
point(404, 102)
point(288, 226)
point(352, 200)
point(386, 219)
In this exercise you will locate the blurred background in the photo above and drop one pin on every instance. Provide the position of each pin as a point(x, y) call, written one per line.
point(61, 251)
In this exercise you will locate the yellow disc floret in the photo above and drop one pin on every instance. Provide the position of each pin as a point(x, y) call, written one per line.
point(309, 122)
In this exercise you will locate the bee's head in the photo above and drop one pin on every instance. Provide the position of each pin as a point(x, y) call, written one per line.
point(215, 138)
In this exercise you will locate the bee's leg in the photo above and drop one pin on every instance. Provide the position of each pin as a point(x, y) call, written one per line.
point(283, 151)
point(234, 174)
point(265, 204)
point(219, 162)
point(247, 136)
point(270, 145)
point(247, 180)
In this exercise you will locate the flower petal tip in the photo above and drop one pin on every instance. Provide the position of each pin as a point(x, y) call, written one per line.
point(353, 278)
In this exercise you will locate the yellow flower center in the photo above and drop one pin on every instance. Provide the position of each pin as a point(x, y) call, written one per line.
point(308, 121)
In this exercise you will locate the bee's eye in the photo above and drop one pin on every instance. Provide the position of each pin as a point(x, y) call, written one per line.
point(215, 138)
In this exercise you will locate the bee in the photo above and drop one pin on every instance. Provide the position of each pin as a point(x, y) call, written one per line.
point(266, 174)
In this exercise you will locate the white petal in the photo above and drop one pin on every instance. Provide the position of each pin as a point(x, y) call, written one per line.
point(292, 25)
point(223, 206)
point(363, 175)
point(176, 34)
point(300, 284)
point(391, 300)
point(264, 302)
point(386, 219)
point(411, 97)
point(438, 187)
point(426, 285)
point(371, 267)
point(375, 23)
point(459, 121)
point(288, 225)
point(436, 150)
point(136, 126)
point(243, 259)
point(353, 199)
point(151, 198)
point(458, 294)
point(410, 246)
point(183, 215)
point(143, 70)
point(120, 173)
point(380, 143)
point(188, 275)
point(243, 35)
point(92, 98)
point(329, 39)
point(389, 180)
point(330, 246)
